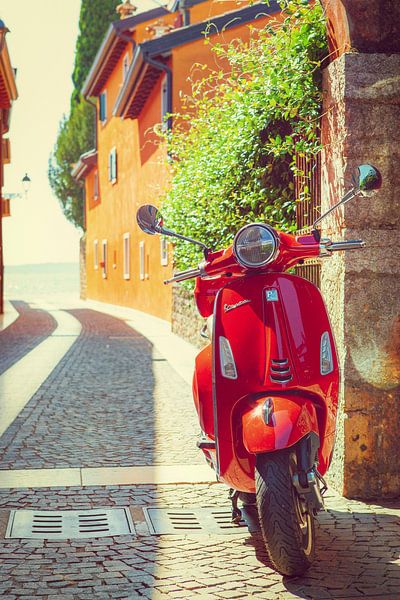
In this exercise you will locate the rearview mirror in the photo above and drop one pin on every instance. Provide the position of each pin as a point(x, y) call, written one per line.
point(367, 179)
point(149, 219)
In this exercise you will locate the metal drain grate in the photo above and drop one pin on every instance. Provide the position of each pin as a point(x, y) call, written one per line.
point(69, 524)
point(177, 521)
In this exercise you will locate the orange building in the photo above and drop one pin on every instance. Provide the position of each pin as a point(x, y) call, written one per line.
point(8, 93)
point(139, 75)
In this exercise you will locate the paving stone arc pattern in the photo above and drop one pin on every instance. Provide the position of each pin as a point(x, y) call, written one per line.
point(358, 553)
point(111, 401)
point(31, 327)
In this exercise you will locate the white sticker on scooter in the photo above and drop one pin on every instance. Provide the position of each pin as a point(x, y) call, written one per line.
point(271, 295)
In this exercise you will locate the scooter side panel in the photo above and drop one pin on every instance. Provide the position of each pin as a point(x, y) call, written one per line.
point(203, 390)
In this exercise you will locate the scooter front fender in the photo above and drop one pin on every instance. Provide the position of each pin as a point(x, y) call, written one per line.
point(277, 422)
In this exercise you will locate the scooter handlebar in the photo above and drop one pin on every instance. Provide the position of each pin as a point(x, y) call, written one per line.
point(326, 246)
point(183, 275)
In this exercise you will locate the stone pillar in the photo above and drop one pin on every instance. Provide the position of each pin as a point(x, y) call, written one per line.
point(361, 124)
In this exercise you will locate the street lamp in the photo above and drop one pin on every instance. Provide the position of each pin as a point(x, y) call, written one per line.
point(26, 183)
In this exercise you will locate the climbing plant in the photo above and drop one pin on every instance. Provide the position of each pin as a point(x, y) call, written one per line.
point(232, 149)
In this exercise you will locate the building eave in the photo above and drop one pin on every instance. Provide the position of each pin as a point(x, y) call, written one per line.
point(142, 76)
point(85, 164)
point(8, 86)
point(112, 49)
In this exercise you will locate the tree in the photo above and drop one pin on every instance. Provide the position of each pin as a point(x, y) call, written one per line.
point(77, 131)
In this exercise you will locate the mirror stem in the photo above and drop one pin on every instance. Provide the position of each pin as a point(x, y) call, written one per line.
point(350, 194)
point(165, 231)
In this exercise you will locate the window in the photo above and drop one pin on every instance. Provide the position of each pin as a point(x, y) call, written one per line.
point(125, 66)
point(96, 185)
point(164, 251)
point(96, 254)
point(104, 259)
point(164, 104)
point(127, 255)
point(103, 106)
point(142, 261)
point(112, 165)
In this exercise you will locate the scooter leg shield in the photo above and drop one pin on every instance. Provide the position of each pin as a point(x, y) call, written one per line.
point(277, 422)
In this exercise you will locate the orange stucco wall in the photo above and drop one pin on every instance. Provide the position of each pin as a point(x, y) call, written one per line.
point(142, 176)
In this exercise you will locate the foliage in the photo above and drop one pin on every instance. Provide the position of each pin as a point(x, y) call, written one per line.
point(77, 131)
point(72, 141)
point(94, 20)
point(233, 149)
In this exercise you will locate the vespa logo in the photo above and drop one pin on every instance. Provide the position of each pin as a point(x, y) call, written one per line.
point(228, 307)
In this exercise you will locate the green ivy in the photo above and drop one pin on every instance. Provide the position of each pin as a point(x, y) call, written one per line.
point(232, 151)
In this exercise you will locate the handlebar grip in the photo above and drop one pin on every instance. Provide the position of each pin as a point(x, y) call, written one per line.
point(183, 275)
point(349, 245)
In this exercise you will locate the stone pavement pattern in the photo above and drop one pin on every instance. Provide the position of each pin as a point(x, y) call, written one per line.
point(358, 553)
point(30, 328)
point(109, 368)
point(107, 403)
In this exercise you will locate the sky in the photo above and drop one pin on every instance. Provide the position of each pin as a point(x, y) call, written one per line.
point(41, 44)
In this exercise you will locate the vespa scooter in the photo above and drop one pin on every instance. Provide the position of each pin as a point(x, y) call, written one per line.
point(266, 386)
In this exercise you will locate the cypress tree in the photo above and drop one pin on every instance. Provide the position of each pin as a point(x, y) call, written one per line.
point(77, 131)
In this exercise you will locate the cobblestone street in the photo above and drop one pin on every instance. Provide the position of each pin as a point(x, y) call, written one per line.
point(115, 401)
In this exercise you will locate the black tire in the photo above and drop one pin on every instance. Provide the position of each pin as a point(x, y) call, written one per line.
point(287, 527)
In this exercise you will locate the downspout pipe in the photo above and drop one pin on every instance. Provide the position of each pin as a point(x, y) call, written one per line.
point(185, 12)
point(163, 67)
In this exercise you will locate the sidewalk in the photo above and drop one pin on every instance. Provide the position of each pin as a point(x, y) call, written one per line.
point(118, 399)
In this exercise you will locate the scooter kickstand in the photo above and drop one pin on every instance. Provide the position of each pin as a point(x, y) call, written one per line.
point(236, 512)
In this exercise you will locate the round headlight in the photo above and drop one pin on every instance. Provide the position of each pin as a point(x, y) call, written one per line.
point(255, 245)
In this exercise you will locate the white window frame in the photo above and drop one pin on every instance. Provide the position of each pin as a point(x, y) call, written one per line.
point(104, 258)
point(112, 166)
point(125, 66)
point(104, 95)
point(163, 251)
point(142, 261)
point(96, 254)
point(126, 241)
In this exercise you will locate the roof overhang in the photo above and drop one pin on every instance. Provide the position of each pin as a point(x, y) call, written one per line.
point(84, 165)
point(112, 49)
point(8, 86)
point(142, 76)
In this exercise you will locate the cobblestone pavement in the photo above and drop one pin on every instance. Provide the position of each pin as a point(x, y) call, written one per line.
point(30, 328)
point(358, 553)
point(107, 403)
point(113, 400)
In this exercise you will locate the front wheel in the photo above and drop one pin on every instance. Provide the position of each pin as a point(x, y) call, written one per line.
point(287, 526)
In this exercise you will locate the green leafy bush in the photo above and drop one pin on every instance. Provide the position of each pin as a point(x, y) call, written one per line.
point(233, 148)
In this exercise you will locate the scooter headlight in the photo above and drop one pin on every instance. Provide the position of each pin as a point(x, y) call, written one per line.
point(255, 245)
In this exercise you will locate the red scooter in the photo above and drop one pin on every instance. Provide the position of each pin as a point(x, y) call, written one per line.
point(266, 386)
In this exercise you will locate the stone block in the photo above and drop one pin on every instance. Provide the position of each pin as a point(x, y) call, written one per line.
point(362, 289)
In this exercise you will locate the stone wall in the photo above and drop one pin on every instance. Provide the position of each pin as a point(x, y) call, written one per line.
point(362, 288)
point(82, 267)
point(186, 320)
